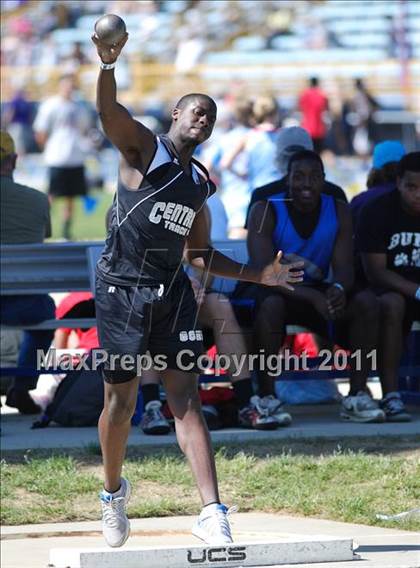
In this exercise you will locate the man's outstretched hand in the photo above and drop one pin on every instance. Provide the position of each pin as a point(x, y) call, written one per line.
point(109, 53)
point(277, 274)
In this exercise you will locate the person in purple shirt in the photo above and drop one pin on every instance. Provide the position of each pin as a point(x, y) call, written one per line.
point(382, 178)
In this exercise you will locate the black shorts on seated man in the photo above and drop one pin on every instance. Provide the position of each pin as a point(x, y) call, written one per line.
point(388, 236)
point(308, 224)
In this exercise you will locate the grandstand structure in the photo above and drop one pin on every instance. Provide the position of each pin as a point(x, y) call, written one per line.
point(264, 46)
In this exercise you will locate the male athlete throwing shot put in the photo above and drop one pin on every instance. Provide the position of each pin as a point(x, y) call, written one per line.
point(144, 300)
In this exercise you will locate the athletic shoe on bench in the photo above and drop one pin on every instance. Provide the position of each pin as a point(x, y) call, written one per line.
point(361, 408)
point(153, 421)
point(115, 524)
point(212, 525)
point(256, 416)
point(276, 410)
point(394, 408)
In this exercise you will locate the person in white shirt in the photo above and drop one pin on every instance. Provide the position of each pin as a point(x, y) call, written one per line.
point(60, 126)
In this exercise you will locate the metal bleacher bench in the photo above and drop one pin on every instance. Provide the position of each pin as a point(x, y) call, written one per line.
point(47, 268)
point(70, 266)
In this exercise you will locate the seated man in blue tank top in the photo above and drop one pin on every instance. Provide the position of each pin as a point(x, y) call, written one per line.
point(310, 225)
point(290, 141)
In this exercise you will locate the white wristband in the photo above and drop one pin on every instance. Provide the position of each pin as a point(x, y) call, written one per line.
point(417, 294)
point(107, 66)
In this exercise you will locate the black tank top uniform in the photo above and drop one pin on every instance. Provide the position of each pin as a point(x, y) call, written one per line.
point(144, 299)
point(149, 226)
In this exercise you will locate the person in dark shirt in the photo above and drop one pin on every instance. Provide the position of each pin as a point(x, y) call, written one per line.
point(144, 300)
point(313, 226)
point(290, 141)
point(388, 236)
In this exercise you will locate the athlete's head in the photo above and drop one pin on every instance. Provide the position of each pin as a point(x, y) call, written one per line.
point(193, 118)
point(305, 179)
point(408, 182)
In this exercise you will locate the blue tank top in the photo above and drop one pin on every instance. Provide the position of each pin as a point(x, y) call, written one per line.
point(317, 250)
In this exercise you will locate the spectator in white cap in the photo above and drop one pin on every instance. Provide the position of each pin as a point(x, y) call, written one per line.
point(290, 141)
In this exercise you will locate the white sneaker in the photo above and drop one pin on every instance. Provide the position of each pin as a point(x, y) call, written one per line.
point(276, 410)
point(115, 524)
point(361, 408)
point(212, 525)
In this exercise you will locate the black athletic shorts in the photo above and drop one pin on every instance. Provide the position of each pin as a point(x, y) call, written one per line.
point(155, 322)
point(67, 182)
point(299, 312)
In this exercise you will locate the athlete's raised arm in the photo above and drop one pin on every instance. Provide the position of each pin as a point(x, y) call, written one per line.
point(135, 142)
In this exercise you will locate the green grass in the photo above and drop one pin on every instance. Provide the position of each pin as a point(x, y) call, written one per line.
point(343, 485)
point(85, 226)
point(41, 489)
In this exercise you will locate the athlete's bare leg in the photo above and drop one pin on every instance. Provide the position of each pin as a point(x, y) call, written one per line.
point(191, 431)
point(114, 427)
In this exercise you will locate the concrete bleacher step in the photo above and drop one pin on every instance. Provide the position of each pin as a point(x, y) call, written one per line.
point(296, 550)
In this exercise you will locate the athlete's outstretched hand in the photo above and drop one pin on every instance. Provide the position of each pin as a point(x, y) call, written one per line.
point(277, 274)
point(109, 53)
